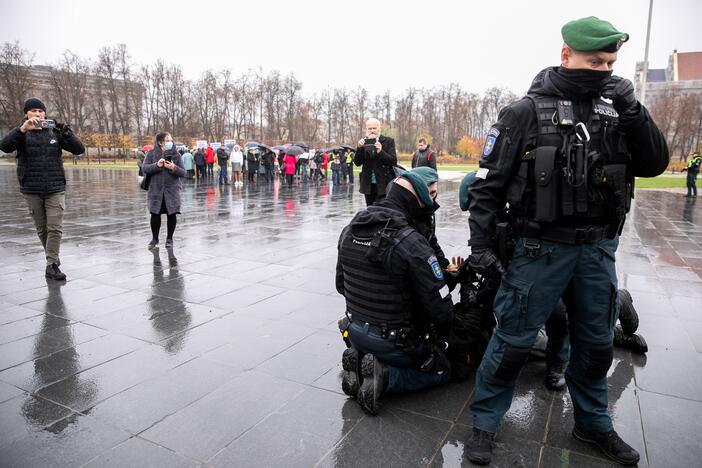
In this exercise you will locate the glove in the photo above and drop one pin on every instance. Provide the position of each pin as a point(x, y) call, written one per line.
point(621, 92)
point(485, 262)
point(63, 129)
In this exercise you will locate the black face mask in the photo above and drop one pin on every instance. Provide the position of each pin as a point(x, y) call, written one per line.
point(580, 81)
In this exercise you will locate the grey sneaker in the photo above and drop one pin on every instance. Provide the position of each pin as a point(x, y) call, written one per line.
point(555, 377)
point(153, 244)
point(169, 243)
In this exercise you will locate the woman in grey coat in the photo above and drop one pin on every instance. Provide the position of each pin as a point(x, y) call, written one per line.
point(164, 166)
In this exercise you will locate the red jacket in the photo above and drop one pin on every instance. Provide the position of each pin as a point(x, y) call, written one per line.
point(209, 155)
point(325, 161)
point(289, 161)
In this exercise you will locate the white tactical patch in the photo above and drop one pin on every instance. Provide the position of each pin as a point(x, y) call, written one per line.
point(482, 173)
point(444, 291)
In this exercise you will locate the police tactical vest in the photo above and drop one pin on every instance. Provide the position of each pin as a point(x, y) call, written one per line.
point(372, 295)
point(577, 172)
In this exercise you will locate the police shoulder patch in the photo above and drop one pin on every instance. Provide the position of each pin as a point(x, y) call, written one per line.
point(436, 269)
point(490, 141)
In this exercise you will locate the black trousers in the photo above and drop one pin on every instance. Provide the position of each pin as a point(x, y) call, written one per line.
point(692, 184)
point(374, 196)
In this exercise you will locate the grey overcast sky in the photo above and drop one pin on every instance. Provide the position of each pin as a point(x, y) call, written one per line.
point(380, 45)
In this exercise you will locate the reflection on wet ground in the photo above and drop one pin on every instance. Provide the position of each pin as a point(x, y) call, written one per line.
point(225, 351)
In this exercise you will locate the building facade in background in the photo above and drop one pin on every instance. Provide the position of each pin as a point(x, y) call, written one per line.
point(674, 96)
point(87, 102)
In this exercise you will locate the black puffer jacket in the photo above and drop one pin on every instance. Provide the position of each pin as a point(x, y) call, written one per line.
point(39, 161)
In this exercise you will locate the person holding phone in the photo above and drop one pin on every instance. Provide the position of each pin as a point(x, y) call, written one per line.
point(38, 142)
point(564, 157)
point(376, 155)
point(164, 166)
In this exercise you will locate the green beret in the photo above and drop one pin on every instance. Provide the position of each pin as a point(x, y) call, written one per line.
point(592, 34)
point(463, 193)
point(421, 178)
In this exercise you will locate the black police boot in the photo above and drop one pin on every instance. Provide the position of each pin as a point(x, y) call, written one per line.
point(555, 377)
point(351, 378)
point(375, 381)
point(628, 317)
point(479, 449)
point(53, 273)
point(634, 342)
point(611, 445)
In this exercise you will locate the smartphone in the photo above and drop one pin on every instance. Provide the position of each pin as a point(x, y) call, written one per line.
point(47, 123)
point(369, 141)
point(168, 158)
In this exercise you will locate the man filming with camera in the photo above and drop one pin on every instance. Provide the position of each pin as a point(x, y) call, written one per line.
point(376, 154)
point(39, 142)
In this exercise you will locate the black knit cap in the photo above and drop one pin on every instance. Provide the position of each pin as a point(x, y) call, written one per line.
point(33, 103)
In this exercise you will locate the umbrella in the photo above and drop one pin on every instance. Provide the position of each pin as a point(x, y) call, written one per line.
point(332, 149)
point(265, 147)
point(302, 145)
point(348, 147)
point(251, 144)
point(294, 150)
point(281, 147)
point(147, 147)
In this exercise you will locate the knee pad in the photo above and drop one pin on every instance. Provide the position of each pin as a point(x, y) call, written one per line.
point(599, 361)
point(511, 363)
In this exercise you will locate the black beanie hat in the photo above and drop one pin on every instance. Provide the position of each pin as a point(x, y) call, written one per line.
point(33, 103)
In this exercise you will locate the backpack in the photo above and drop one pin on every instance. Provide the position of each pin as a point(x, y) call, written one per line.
point(250, 157)
point(319, 158)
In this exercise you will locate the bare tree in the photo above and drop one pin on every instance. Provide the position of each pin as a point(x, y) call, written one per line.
point(70, 90)
point(15, 81)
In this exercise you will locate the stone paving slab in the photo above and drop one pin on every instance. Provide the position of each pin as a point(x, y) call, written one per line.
point(225, 351)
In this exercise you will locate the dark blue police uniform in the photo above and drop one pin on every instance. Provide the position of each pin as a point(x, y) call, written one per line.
point(564, 160)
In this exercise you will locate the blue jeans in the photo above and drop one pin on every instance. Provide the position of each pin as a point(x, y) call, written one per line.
point(223, 175)
point(528, 294)
point(404, 375)
point(335, 176)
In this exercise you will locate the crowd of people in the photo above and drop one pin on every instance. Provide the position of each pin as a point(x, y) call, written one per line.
point(260, 163)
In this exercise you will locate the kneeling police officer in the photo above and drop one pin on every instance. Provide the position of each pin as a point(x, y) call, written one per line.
point(564, 159)
point(397, 300)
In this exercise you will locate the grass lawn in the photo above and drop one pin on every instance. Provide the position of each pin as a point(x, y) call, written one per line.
point(664, 181)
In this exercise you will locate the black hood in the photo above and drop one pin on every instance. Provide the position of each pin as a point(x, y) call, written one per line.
point(398, 209)
point(378, 216)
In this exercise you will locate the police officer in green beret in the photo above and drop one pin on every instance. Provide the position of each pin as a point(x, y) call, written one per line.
point(564, 157)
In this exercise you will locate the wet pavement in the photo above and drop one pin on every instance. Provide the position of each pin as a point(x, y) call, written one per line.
point(226, 352)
